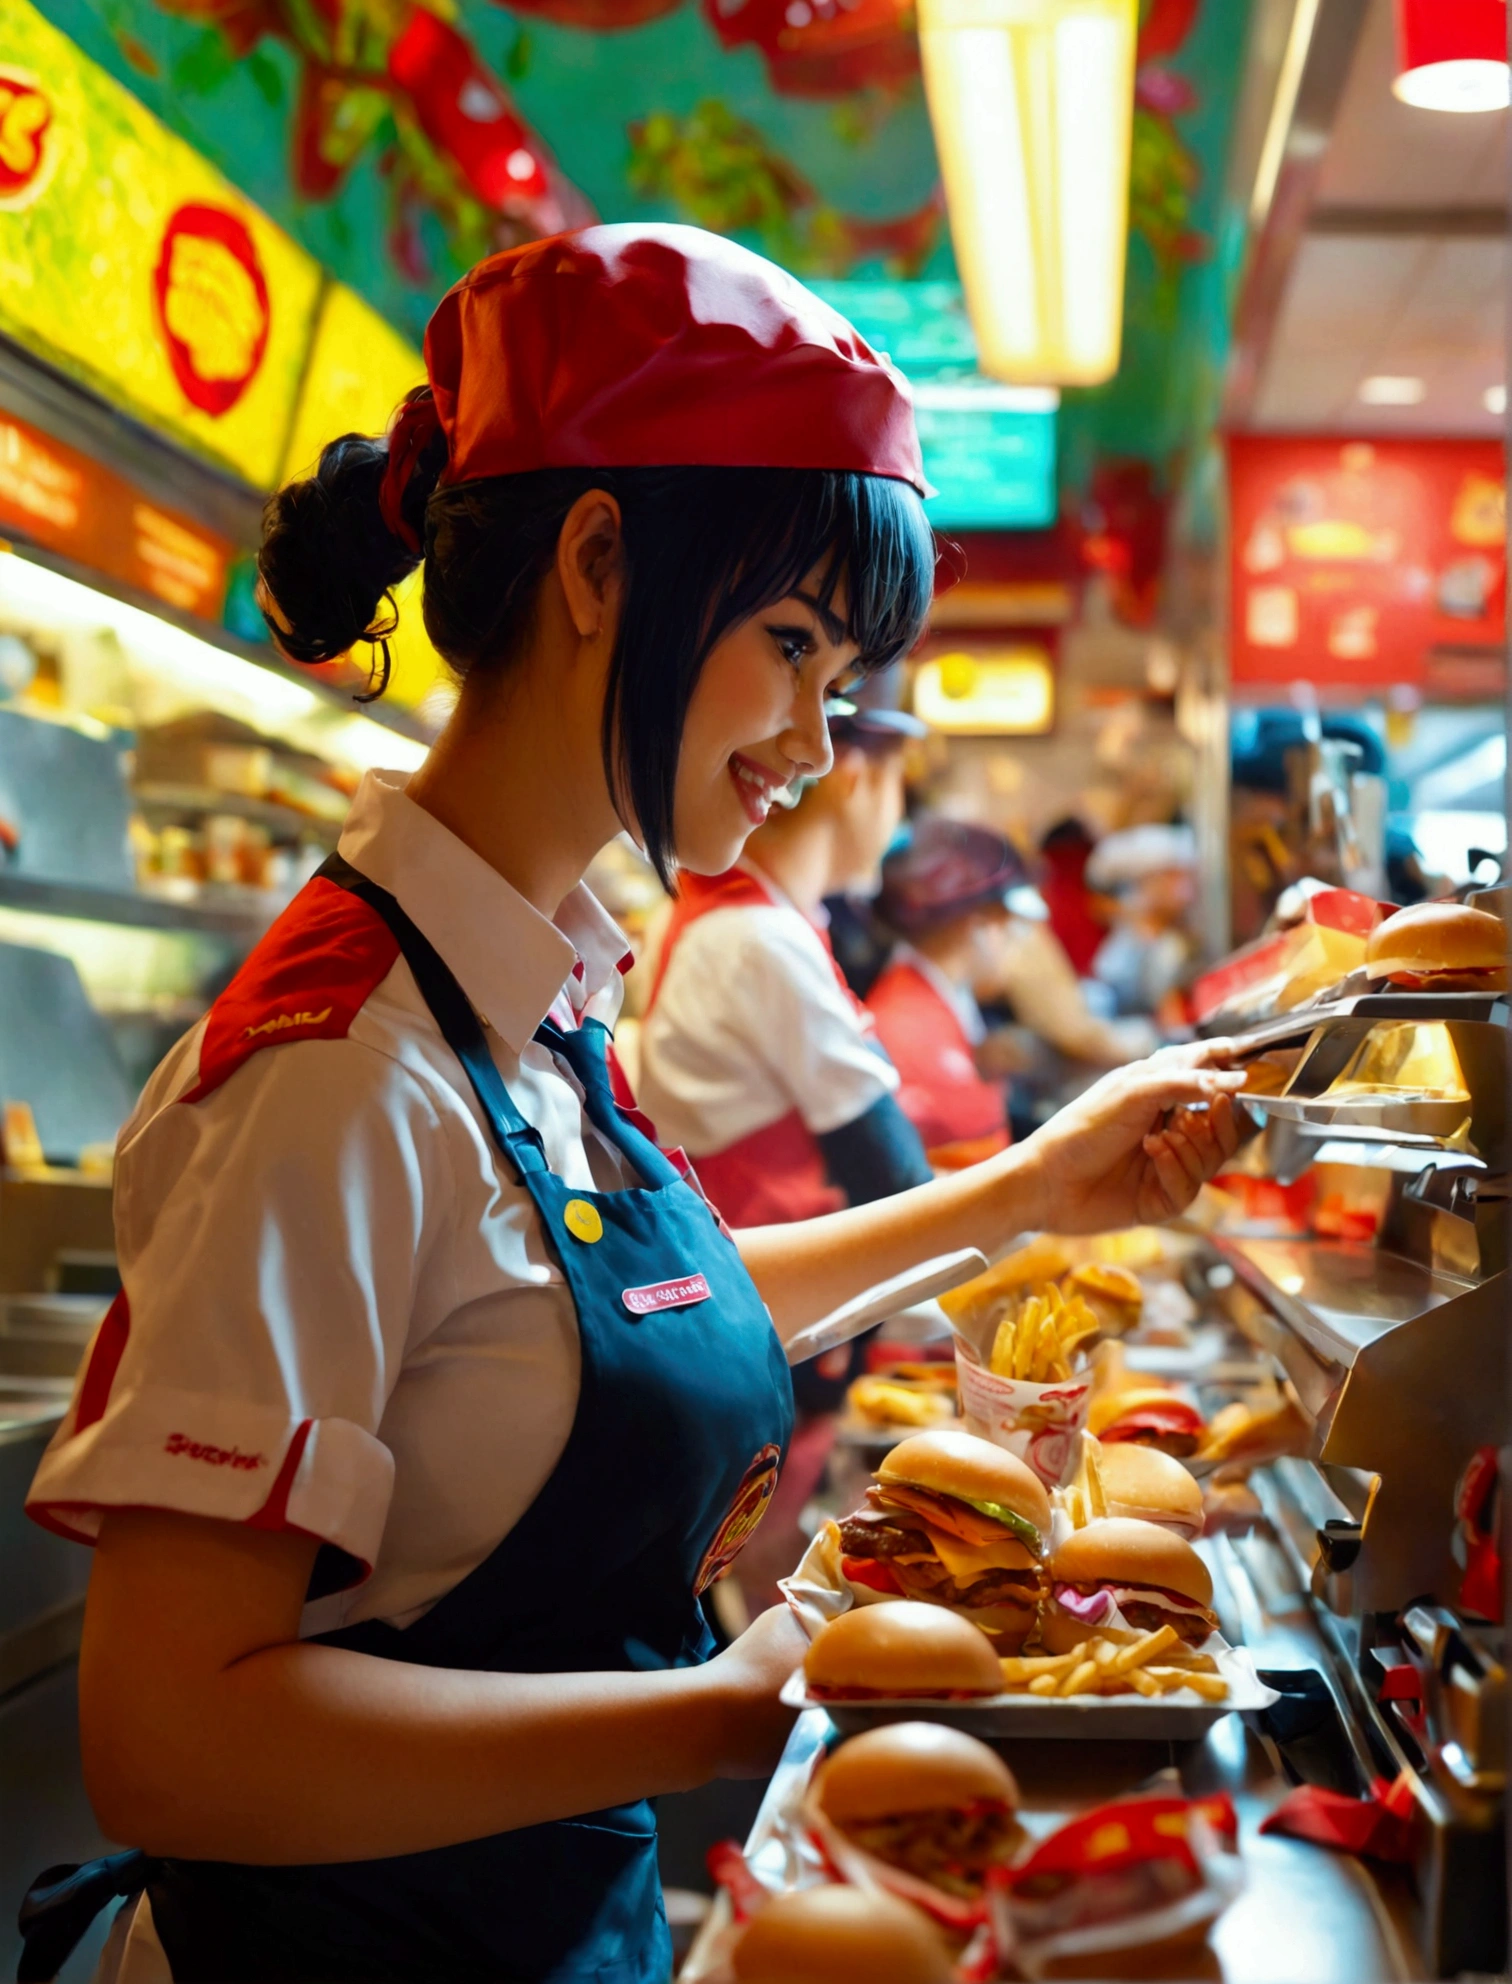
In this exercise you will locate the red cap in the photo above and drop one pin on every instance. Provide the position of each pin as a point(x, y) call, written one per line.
point(640, 347)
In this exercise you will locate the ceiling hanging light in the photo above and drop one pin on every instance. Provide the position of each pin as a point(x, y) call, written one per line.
point(1452, 54)
point(1032, 104)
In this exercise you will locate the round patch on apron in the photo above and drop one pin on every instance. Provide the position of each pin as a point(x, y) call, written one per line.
point(582, 1220)
point(747, 1509)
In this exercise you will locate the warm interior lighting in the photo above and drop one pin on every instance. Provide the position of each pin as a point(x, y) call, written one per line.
point(1452, 55)
point(176, 670)
point(1032, 107)
point(1494, 399)
point(1392, 389)
point(1010, 692)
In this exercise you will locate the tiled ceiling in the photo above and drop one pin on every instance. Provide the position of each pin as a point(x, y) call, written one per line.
point(1383, 282)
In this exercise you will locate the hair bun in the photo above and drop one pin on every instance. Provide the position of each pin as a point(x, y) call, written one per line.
point(328, 559)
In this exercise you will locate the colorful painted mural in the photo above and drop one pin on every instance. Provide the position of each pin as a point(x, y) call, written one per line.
point(399, 142)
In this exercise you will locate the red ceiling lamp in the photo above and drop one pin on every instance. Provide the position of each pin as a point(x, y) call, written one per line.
point(1452, 54)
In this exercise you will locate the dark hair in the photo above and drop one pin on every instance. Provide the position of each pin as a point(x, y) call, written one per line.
point(705, 549)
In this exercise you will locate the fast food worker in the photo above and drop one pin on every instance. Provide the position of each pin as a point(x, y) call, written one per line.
point(435, 1394)
point(756, 1057)
point(945, 889)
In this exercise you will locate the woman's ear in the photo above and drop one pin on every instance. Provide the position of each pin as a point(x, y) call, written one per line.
point(590, 561)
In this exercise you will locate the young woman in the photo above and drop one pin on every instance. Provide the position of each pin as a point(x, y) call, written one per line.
point(437, 1396)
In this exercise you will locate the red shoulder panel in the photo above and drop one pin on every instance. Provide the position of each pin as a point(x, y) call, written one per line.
point(306, 980)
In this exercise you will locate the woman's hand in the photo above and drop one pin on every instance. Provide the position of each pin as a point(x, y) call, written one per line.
point(747, 1677)
point(1136, 1147)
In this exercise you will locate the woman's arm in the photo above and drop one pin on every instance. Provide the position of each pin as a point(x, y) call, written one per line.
point(1134, 1148)
point(210, 1732)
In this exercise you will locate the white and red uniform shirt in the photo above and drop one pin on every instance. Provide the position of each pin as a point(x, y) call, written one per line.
point(753, 1046)
point(338, 1312)
point(930, 1027)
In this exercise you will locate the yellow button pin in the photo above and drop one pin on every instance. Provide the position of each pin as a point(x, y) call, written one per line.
point(582, 1220)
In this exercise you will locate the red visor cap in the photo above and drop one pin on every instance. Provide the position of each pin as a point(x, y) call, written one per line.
point(644, 347)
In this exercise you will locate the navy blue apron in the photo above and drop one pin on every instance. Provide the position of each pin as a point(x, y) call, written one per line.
point(683, 1418)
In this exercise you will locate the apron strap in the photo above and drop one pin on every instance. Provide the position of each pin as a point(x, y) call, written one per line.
point(61, 1903)
point(584, 1051)
point(518, 1141)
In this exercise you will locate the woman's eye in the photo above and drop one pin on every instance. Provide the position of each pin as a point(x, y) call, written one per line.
point(794, 644)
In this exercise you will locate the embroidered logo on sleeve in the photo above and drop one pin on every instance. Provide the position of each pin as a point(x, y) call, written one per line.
point(281, 1022)
point(180, 1443)
point(679, 1294)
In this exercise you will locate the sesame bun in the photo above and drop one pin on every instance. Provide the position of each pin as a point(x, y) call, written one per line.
point(1120, 1550)
point(972, 1470)
point(902, 1647)
point(1433, 939)
point(911, 1767)
point(1150, 1486)
point(840, 1935)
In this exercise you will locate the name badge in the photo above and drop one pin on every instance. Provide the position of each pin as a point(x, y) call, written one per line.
point(679, 1294)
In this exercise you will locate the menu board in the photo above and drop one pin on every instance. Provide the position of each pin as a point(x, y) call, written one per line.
point(59, 498)
point(1365, 564)
point(129, 262)
point(360, 369)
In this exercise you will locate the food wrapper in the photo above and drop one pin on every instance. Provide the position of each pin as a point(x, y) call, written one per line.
point(1133, 1874)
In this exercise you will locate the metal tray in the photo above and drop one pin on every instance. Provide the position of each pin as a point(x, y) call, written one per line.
point(1413, 1116)
point(1173, 1718)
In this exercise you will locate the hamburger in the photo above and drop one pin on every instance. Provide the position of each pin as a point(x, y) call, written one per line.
point(1129, 1575)
point(840, 1935)
point(1439, 947)
point(1149, 1415)
point(928, 1802)
point(1113, 1294)
point(1146, 1485)
point(901, 1649)
point(957, 1522)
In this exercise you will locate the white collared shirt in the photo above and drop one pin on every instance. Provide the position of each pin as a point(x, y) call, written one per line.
point(751, 1023)
point(341, 1307)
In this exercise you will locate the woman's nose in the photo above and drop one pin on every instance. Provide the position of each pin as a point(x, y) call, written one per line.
point(808, 741)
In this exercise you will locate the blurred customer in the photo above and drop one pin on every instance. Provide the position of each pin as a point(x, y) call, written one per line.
point(1152, 873)
point(1064, 854)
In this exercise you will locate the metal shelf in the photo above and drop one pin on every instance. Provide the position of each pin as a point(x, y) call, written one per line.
point(214, 916)
point(285, 822)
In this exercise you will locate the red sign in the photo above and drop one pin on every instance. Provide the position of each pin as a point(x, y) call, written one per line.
point(1362, 564)
point(60, 498)
point(212, 300)
point(25, 124)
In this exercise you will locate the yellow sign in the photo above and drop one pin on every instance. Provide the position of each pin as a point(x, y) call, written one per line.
point(128, 261)
point(582, 1220)
point(359, 370)
point(1007, 692)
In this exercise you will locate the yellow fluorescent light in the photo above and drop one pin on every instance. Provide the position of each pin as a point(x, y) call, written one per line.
point(1032, 104)
point(1009, 693)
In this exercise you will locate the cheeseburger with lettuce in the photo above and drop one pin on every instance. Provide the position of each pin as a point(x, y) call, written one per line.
point(957, 1522)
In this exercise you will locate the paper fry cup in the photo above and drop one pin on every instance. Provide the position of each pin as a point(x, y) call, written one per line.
point(1042, 1424)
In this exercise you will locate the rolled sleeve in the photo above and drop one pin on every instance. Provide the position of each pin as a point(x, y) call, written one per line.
point(273, 1238)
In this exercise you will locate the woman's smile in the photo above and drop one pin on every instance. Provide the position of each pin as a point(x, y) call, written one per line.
point(756, 786)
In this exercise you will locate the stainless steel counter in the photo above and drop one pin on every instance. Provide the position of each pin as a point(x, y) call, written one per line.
point(1307, 1916)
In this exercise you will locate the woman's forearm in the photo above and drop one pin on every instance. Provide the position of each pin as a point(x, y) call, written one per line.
point(210, 1732)
point(805, 1270)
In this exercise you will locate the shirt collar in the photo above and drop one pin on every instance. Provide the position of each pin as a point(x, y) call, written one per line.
point(509, 959)
point(960, 998)
point(749, 865)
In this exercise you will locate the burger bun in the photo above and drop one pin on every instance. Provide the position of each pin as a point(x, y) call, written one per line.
point(1121, 1550)
point(1440, 942)
point(911, 1767)
point(900, 1648)
point(971, 1470)
point(1149, 1486)
point(840, 1935)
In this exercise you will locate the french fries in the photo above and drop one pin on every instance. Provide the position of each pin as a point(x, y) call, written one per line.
point(1037, 1340)
point(1102, 1666)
